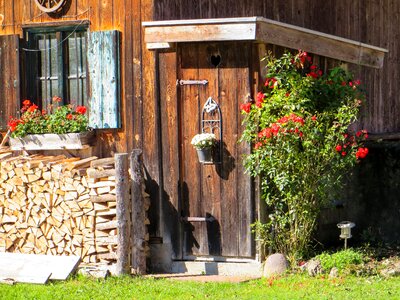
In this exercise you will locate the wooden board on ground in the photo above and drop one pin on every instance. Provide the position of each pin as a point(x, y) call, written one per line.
point(34, 268)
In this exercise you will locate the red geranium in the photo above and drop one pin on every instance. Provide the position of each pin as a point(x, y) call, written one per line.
point(26, 103)
point(32, 108)
point(81, 110)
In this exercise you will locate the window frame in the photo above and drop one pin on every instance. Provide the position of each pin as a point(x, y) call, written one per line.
point(32, 76)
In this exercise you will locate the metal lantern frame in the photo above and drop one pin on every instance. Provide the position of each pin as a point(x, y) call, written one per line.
point(345, 231)
point(211, 122)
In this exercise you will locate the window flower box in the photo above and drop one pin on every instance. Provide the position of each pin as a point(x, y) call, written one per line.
point(51, 141)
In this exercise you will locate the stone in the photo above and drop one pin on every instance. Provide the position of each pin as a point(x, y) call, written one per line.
point(276, 264)
point(391, 271)
point(314, 267)
point(334, 273)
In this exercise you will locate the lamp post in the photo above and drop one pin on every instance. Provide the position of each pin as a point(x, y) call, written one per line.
point(345, 231)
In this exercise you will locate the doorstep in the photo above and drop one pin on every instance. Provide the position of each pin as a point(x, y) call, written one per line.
point(248, 268)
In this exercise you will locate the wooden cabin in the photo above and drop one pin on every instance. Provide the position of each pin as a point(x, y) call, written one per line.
point(147, 68)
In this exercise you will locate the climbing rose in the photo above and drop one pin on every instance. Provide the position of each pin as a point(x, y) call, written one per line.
point(260, 99)
point(246, 107)
point(361, 153)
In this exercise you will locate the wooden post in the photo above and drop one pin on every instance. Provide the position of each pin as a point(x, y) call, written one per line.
point(122, 210)
point(138, 213)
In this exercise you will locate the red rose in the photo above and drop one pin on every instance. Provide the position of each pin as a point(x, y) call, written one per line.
point(260, 99)
point(338, 148)
point(361, 153)
point(81, 110)
point(344, 153)
point(246, 107)
point(344, 83)
point(313, 67)
point(314, 118)
point(257, 145)
point(312, 74)
point(70, 117)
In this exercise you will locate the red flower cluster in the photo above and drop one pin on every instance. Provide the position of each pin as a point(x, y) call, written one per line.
point(32, 108)
point(292, 117)
point(303, 56)
point(361, 153)
point(246, 107)
point(352, 142)
point(278, 127)
point(259, 99)
point(80, 110)
point(13, 123)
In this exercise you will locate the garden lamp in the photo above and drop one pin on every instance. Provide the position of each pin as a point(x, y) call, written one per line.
point(345, 231)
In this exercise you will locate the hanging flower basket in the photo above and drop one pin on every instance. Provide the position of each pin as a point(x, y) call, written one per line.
point(205, 155)
point(51, 141)
point(204, 144)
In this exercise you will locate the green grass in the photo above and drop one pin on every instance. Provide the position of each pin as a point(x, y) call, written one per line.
point(289, 287)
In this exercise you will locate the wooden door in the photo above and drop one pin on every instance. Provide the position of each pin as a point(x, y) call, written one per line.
point(221, 192)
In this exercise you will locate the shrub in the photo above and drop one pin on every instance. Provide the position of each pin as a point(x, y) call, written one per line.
point(302, 147)
point(340, 260)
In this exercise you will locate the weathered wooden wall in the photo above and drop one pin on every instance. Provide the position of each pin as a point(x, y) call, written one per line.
point(373, 22)
point(122, 15)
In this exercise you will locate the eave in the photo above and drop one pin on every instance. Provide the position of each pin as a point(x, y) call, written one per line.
point(160, 34)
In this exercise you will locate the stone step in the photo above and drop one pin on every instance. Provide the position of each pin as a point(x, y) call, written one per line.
point(252, 268)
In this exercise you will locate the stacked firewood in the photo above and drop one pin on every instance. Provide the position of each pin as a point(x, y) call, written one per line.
point(58, 205)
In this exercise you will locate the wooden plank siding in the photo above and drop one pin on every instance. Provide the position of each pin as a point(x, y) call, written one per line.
point(371, 22)
point(148, 91)
point(102, 15)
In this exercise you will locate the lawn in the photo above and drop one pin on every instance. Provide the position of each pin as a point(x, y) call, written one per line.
point(288, 287)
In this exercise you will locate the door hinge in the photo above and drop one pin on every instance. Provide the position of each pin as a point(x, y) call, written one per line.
point(199, 219)
point(191, 82)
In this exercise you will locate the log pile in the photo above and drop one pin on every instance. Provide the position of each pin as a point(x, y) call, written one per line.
point(58, 205)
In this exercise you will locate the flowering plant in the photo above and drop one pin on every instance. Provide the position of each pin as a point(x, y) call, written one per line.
point(203, 141)
point(56, 119)
point(302, 146)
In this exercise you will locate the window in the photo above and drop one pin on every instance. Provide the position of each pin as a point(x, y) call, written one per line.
point(56, 65)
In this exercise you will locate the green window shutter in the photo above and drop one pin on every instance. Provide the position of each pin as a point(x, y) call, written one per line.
point(9, 78)
point(104, 91)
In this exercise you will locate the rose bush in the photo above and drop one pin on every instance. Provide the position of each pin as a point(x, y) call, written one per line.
point(56, 119)
point(302, 147)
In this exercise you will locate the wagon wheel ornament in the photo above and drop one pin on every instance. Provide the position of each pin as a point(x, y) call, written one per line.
point(49, 6)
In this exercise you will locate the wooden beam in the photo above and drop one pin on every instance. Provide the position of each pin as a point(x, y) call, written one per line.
point(138, 213)
point(123, 220)
point(262, 30)
point(278, 33)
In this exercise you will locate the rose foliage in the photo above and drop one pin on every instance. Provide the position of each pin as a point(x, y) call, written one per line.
point(55, 119)
point(302, 147)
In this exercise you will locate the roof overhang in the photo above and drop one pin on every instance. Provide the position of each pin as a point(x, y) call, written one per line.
point(160, 34)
